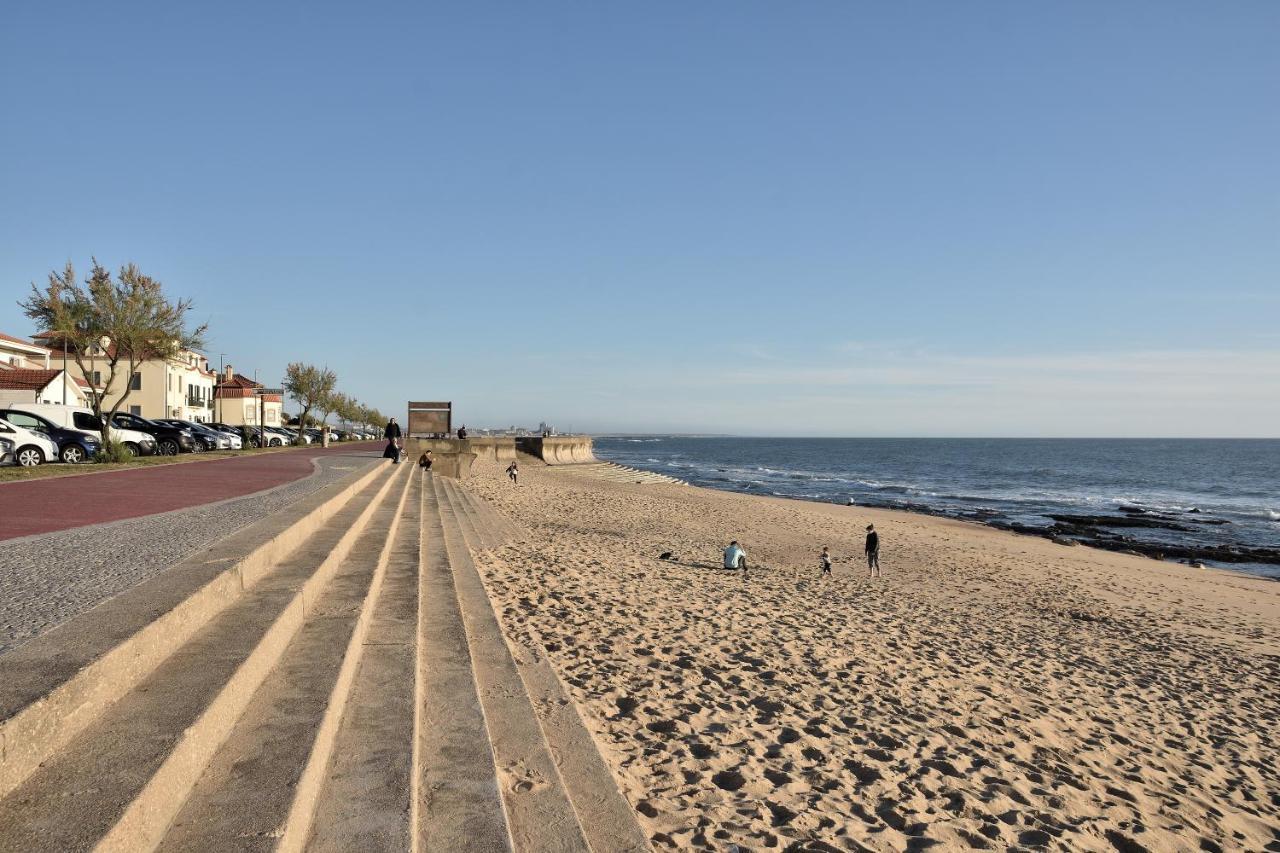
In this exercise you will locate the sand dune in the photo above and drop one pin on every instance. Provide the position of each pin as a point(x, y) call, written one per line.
point(992, 691)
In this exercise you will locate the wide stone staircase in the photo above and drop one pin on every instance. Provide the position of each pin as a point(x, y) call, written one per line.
point(332, 678)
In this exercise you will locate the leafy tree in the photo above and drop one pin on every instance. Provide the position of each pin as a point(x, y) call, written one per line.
point(309, 385)
point(123, 322)
point(347, 409)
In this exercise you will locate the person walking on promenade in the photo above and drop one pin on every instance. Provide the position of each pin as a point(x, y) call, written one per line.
point(392, 434)
point(873, 551)
point(825, 557)
point(425, 460)
point(513, 471)
point(462, 431)
point(735, 557)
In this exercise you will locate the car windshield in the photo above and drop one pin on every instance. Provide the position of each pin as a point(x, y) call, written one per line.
point(135, 420)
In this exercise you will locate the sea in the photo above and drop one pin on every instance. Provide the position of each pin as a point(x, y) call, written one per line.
point(1223, 492)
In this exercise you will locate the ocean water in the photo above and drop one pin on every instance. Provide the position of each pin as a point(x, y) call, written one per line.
point(1226, 491)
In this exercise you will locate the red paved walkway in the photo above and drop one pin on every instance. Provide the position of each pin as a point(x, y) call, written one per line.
point(59, 503)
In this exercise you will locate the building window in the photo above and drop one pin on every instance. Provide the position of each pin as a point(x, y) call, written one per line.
point(135, 382)
point(135, 410)
point(97, 379)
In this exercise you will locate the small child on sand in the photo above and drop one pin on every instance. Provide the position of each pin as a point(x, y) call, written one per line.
point(825, 557)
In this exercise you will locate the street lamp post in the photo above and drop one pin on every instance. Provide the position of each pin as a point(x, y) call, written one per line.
point(216, 396)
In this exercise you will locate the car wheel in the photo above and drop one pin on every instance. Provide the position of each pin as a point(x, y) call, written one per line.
point(73, 454)
point(197, 447)
point(30, 457)
point(168, 447)
point(133, 449)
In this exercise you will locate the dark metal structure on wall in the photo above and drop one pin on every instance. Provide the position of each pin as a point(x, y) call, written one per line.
point(430, 419)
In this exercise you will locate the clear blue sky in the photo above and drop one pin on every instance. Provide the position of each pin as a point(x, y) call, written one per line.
point(993, 218)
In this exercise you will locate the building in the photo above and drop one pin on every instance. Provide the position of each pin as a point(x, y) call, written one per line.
point(178, 387)
point(236, 401)
point(24, 385)
point(15, 353)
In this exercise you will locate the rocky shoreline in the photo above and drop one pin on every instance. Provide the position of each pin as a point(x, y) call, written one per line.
point(1098, 531)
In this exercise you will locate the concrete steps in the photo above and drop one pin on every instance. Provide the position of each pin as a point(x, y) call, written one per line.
point(559, 793)
point(613, 472)
point(353, 689)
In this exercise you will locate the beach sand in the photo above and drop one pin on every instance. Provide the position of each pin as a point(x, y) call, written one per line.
point(991, 691)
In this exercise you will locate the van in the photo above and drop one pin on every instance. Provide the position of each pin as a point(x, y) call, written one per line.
point(75, 417)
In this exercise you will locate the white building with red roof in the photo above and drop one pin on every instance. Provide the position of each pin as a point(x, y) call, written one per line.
point(236, 402)
point(25, 385)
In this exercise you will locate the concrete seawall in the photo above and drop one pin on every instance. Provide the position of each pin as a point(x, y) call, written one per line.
point(450, 456)
point(558, 449)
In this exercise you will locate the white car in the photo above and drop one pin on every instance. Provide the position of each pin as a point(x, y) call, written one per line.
point(30, 448)
point(75, 417)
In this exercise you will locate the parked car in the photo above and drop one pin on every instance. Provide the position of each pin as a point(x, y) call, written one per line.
point(232, 434)
point(210, 438)
point(286, 438)
point(299, 436)
point(31, 448)
point(6, 452)
point(77, 418)
point(73, 445)
point(170, 440)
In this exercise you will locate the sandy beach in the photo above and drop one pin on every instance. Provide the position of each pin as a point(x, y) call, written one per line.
point(992, 691)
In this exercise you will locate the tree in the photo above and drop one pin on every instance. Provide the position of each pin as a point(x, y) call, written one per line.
point(325, 406)
point(123, 321)
point(346, 408)
point(309, 385)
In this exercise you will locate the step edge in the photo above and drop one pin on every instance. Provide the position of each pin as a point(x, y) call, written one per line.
point(463, 562)
point(310, 785)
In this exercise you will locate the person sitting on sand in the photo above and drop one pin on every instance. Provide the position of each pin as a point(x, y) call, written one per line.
point(513, 471)
point(425, 460)
point(825, 557)
point(735, 557)
point(873, 551)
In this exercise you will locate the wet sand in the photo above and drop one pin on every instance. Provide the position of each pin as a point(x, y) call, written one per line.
point(991, 691)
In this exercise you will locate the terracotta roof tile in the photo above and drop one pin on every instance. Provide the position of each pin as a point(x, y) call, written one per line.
point(22, 379)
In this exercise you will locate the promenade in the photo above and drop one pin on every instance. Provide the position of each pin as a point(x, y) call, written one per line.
point(32, 507)
point(67, 544)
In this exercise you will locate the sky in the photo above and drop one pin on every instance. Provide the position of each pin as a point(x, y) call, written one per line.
point(819, 218)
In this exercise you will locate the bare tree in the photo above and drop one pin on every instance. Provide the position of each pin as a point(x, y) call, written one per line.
point(124, 322)
point(311, 386)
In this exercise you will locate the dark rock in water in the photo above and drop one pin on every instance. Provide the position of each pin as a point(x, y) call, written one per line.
point(1082, 534)
point(1120, 521)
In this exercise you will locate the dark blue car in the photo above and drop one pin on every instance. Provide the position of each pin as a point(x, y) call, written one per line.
point(73, 445)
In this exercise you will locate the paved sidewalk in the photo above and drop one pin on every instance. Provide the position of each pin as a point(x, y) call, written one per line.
point(49, 578)
point(61, 503)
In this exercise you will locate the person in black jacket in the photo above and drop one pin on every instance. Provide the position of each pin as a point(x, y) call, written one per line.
point(873, 551)
point(392, 435)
